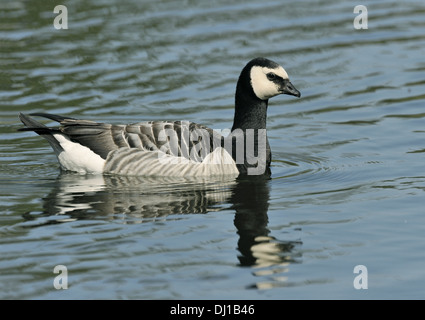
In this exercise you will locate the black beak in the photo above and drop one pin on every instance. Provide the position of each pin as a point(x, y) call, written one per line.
point(288, 88)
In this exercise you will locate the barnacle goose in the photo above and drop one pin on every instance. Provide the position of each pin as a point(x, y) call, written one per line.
point(174, 148)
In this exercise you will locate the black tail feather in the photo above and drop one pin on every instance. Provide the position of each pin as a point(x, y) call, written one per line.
point(37, 127)
point(50, 116)
point(41, 129)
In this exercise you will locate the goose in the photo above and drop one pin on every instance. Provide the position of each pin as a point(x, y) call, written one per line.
point(174, 148)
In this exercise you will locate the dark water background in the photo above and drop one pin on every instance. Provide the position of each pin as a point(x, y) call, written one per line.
point(348, 157)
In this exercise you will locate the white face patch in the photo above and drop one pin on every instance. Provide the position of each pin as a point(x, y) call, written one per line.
point(262, 86)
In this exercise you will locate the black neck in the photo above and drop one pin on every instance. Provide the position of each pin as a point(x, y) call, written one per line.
point(250, 114)
point(250, 111)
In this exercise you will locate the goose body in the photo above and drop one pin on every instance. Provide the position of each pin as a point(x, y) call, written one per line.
point(174, 148)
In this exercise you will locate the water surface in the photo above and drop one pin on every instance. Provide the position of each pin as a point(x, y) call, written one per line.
point(348, 178)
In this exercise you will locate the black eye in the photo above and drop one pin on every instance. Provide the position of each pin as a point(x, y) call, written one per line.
point(271, 76)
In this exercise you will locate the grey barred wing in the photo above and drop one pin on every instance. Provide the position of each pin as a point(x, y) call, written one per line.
point(177, 138)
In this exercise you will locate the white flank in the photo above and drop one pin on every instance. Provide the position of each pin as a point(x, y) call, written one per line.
point(263, 87)
point(220, 156)
point(76, 157)
point(156, 163)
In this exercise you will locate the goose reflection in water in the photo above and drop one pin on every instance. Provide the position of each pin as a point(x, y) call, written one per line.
point(140, 200)
point(270, 257)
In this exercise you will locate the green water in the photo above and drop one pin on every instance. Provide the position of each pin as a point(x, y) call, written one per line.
point(348, 177)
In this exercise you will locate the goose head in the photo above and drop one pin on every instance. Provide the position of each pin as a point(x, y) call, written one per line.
point(268, 79)
point(260, 80)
